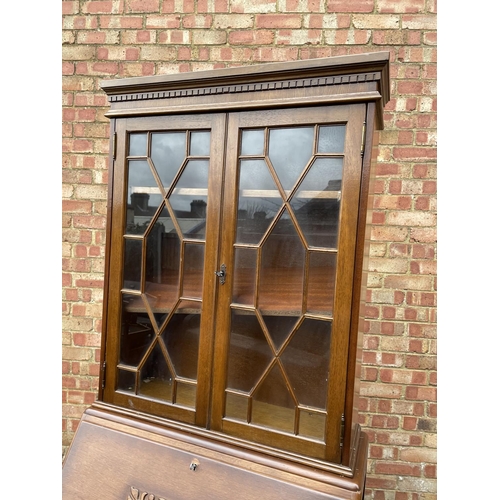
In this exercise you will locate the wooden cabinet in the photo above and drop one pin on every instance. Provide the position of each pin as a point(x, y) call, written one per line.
point(234, 281)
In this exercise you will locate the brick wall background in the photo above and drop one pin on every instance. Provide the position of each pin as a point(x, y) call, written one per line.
point(105, 39)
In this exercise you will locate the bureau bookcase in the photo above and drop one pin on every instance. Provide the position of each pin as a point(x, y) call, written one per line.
point(234, 284)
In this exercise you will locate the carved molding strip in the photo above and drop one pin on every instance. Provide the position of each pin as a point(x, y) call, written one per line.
point(135, 494)
point(251, 87)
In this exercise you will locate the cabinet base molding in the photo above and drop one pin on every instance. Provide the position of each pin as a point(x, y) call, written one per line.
point(120, 458)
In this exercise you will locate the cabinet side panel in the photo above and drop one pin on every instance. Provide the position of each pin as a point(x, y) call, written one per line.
point(359, 288)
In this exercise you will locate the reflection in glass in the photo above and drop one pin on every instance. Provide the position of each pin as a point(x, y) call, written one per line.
point(290, 149)
point(236, 406)
point(245, 266)
point(155, 379)
point(138, 144)
point(168, 150)
point(137, 332)
point(192, 281)
point(273, 405)
point(249, 352)
point(331, 139)
point(312, 425)
point(143, 197)
point(321, 282)
point(316, 202)
point(162, 266)
point(259, 201)
point(279, 328)
point(252, 142)
point(186, 394)
point(189, 199)
point(306, 359)
point(181, 337)
point(200, 144)
point(126, 380)
point(282, 270)
point(132, 264)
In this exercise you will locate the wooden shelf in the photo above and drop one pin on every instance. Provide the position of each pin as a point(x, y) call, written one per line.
point(284, 293)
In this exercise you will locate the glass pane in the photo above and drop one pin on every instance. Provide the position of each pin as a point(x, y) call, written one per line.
point(312, 425)
point(186, 394)
point(306, 360)
point(236, 406)
point(189, 199)
point(272, 404)
point(137, 331)
point(316, 202)
point(321, 282)
point(182, 337)
point(138, 144)
point(252, 142)
point(290, 149)
point(126, 381)
point(200, 144)
point(259, 201)
point(168, 151)
point(249, 352)
point(331, 139)
point(162, 267)
point(279, 328)
point(282, 271)
point(143, 198)
point(155, 378)
point(193, 270)
point(189, 307)
point(133, 263)
point(244, 269)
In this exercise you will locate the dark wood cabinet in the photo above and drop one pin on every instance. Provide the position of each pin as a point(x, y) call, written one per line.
point(234, 285)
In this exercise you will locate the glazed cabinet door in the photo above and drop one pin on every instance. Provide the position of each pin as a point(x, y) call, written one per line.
point(231, 272)
point(288, 243)
point(165, 232)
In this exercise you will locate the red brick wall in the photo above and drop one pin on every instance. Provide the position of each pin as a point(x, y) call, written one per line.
point(120, 38)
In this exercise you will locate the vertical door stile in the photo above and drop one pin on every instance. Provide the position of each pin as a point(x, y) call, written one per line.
point(211, 292)
point(222, 320)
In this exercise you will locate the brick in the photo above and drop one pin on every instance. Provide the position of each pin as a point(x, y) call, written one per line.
point(298, 37)
point(204, 37)
point(419, 22)
point(232, 21)
point(389, 37)
point(401, 6)
point(274, 21)
point(69, 7)
point(175, 37)
point(397, 468)
point(351, 6)
point(381, 390)
point(425, 235)
point(121, 22)
point(97, 7)
point(197, 21)
point(395, 266)
point(253, 6)
point(409, 282)
point(375, 21)
point(419, 455)
point(389, 233)
point(347, 37)
point(77, 53)
point(406, 218)
point(136, 6)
